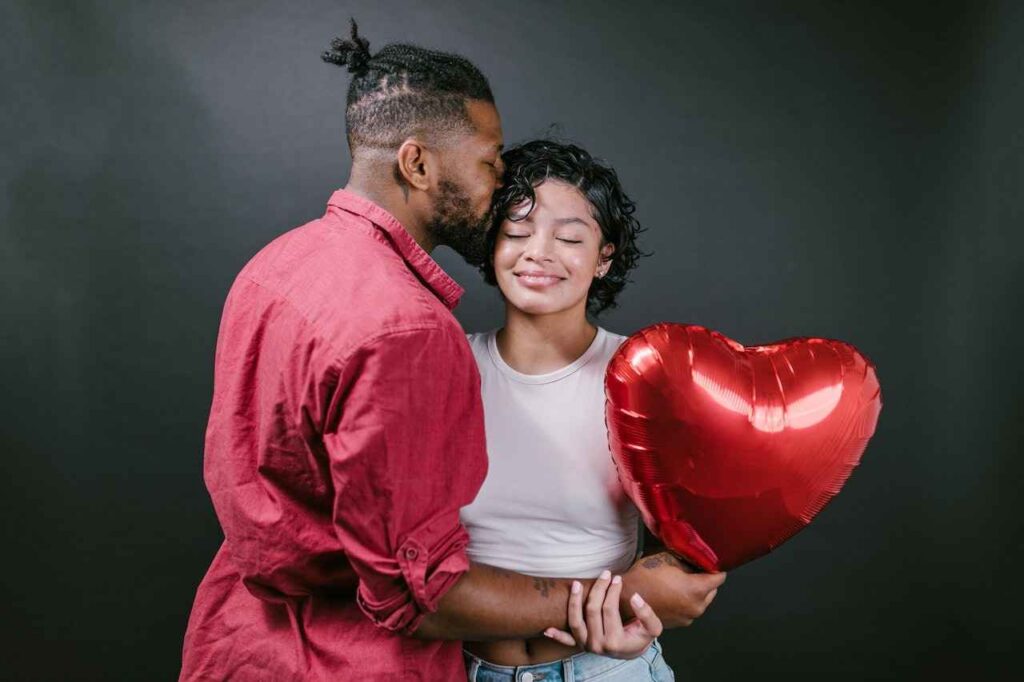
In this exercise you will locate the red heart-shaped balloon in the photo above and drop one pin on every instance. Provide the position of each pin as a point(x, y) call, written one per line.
point(726, 450)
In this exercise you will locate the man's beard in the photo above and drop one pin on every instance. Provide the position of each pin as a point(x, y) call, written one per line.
point(455, 225)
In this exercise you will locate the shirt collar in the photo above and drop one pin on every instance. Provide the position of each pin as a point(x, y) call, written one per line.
point(418, 260)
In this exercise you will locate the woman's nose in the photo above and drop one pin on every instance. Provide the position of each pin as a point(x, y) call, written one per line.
point(538, 248)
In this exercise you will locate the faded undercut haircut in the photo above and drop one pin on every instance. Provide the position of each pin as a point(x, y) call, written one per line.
point(404, 90)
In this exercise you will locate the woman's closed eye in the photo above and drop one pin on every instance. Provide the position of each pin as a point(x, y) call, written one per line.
point(570, 241)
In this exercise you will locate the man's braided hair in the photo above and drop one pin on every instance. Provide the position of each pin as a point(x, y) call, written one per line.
point(404, 90)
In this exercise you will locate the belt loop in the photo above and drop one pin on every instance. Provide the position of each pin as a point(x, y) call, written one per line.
point(568, 674)
point(474, 665)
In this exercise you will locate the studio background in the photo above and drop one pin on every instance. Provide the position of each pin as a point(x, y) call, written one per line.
point(840, 169)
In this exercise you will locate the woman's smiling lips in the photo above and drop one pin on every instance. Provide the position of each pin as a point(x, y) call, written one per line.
point(536, 279)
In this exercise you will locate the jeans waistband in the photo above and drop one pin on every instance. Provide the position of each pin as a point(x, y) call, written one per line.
point(583, 665)
point(555, 671)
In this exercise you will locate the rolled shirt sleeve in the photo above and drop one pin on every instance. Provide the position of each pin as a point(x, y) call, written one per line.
point(404, 435)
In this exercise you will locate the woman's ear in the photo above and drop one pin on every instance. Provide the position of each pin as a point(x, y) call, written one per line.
point(605, 262)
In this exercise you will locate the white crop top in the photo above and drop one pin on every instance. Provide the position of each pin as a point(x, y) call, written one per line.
point(551, 504)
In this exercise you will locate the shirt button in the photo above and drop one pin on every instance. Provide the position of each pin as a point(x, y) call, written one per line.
point(411, 553)
point(526, 677)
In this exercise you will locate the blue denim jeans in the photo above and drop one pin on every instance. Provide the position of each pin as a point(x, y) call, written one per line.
point(585, 667)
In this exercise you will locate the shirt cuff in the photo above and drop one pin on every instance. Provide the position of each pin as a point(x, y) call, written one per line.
point(430, 567)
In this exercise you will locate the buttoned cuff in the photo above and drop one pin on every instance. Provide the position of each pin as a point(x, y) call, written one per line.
point(429, 566)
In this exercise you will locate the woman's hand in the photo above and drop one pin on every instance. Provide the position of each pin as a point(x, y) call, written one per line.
point(600, 629)
point(679, 592)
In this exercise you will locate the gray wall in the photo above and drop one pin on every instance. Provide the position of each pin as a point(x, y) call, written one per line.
point(804, 168)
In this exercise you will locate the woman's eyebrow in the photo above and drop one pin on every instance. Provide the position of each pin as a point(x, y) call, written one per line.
point(570, 220)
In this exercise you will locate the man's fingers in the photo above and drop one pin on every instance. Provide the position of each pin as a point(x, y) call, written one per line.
point(711, 595)
point(560, 636)
point(595, 603)
point(576, 624)
point(646, 615)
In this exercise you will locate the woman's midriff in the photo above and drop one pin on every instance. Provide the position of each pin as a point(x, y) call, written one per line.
point(514, 652)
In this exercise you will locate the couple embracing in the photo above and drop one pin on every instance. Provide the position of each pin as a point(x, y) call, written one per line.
point(400, 502)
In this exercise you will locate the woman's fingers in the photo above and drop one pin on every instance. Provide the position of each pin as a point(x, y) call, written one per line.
point(576, 623)
point(610, 610)
point(594, 611)
point(646, 616)
point(560, 636)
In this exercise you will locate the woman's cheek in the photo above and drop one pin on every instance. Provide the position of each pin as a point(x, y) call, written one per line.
point(579, 265)
point(502, 258)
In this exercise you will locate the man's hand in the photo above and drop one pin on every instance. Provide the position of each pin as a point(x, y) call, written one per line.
point(677, 593)
point(601, 631)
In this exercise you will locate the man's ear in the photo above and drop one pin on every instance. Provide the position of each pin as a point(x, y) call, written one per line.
point(415, 164)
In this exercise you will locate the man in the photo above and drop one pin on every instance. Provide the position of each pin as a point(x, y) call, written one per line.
point(346, 428)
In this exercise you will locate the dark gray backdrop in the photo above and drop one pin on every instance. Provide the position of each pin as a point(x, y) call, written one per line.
point(804, 168)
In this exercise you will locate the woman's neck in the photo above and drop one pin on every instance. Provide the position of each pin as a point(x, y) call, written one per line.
point(539, 344)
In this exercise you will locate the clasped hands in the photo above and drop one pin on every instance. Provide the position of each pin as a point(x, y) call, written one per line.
point(595, 619)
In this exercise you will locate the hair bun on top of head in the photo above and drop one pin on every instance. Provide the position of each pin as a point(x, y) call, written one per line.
point(353, 53)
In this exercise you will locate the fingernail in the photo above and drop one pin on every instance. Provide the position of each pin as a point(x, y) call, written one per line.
point(616, 580)
point(547, 633)
point(576, 587)
point(636, 600)
point(605, 575)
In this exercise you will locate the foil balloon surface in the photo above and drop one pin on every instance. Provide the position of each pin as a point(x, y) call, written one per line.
point(726, 450)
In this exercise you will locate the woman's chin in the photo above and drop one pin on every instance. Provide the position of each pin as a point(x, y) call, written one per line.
point(537, 308)
point(530, 301)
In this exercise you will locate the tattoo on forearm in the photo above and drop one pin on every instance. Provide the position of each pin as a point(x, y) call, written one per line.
point(659, 559)
point(543, 585)
point(652, 561)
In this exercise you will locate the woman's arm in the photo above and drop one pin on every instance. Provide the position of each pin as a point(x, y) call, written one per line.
point(677, 592)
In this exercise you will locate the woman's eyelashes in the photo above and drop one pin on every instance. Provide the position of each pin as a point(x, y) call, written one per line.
point(564, 240)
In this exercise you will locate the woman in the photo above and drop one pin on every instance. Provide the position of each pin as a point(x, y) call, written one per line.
point(563, 243)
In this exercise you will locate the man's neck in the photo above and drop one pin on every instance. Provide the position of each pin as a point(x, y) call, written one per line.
point(539, 344)
point(389, 196)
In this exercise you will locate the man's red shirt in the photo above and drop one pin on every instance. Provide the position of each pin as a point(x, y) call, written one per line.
point(345, 434)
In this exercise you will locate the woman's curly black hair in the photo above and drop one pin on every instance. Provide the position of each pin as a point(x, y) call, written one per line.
point(529, 165)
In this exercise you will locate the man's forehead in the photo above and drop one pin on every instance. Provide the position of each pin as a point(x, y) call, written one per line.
point(486, 120)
